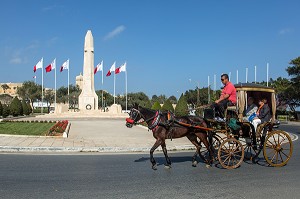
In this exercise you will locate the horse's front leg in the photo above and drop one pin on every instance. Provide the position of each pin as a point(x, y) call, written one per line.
point(164, 148)
point(154, 147)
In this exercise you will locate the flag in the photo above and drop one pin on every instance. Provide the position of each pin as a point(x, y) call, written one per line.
point(38, 65)
point(50, 67)
point(99, 67)
point(112, 69)
point(122, 68)
point(65, 66)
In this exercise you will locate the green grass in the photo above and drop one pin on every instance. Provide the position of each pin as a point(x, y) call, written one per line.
point(20, 128)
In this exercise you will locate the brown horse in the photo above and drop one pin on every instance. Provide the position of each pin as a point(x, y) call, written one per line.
point(165, 128)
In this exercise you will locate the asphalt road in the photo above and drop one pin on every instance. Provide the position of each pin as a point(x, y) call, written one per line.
point(94, 175)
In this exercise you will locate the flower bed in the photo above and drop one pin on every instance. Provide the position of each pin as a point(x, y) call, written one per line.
point(59, 128)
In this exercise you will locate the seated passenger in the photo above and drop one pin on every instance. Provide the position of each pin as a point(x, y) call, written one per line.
point(263, 113)
point(251, 109)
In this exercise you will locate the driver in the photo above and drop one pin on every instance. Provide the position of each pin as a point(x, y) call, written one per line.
point(228, 96)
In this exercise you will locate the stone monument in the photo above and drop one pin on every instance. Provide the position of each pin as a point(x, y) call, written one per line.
point(88, 99)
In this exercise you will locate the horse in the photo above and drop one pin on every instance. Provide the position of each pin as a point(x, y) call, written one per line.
point(164, 128)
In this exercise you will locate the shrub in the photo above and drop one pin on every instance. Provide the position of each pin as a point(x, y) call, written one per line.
point(181, 107)
point(167, 106)
point(29, 108)
point(156, 106)
point(58, 128)
point(16, 107)
point(5, 111)
point(1, 109)
point(25, 108)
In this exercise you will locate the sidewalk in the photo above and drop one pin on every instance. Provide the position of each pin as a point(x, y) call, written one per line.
point(93, 135)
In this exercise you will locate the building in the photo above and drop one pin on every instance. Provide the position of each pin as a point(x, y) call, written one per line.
point(9, 88)
point(79, 81)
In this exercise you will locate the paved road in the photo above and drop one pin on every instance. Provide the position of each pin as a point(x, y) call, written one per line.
point(98, 175)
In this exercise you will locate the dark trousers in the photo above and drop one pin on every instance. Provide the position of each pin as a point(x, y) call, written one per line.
point(220, 107)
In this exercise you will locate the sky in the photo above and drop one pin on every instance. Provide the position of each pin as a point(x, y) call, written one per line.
point(169, 46)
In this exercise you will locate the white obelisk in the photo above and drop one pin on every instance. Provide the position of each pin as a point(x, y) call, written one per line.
point(88, 99)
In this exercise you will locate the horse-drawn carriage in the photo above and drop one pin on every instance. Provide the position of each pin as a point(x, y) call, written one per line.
point(232, 140)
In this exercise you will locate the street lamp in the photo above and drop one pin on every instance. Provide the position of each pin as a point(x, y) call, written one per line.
point(198, 91)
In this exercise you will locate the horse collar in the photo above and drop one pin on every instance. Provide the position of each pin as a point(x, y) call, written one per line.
point(155, 122)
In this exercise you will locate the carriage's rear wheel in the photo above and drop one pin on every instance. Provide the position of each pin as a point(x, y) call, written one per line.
point(231, 153)
point(278, 148)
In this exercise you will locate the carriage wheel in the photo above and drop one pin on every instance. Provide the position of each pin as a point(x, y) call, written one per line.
point(278, 148)
point(231, 153)
point(216, 142)
point(251, 149)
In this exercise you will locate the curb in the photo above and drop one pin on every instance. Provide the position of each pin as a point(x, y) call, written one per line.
point(91, 149)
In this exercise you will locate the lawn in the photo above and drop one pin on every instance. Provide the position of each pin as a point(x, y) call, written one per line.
point(21, 128)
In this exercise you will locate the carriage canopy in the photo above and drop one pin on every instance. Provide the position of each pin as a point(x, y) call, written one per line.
point(245, 90)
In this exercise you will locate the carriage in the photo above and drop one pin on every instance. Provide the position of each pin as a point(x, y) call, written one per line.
point(232, 147)
point(221, 137)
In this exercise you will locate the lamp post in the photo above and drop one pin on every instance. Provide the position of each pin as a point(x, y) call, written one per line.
point(198, 91)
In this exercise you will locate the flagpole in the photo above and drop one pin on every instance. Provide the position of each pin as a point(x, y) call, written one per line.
point(247, 75)
point(267, 74)
point(42, 86)
point(255, 74)
point(102, 86)
point(54, 63)
point(68, 83)
point(126, 84)
point(115, 84)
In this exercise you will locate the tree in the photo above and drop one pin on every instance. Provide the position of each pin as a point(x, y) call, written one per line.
point(5, 111)
point(30, 91)
point(167, 106)
point(173, 99)
point(5, 87)
point(181, 107)
point(156, 106)
point(29, 107)
point(16, 107)
point(139, 98)
point(293, 92)
point(26, 110)
point(1, 109)
point(6, 98)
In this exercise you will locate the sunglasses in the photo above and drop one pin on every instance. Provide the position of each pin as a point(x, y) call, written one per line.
point(222, 79)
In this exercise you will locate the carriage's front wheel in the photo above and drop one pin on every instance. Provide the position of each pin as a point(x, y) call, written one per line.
point(278, 148)
point(231, 153)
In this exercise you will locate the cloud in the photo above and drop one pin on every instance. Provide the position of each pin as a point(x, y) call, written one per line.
point(285, 31)
point(118, 30)
point(52, 41)
point(16, 60)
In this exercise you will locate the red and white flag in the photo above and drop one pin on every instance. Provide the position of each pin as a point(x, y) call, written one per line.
point(50, 67)
point(38, 65)
point(122, 68)
point(112, 69)
point(65, 66)
point(99, 67)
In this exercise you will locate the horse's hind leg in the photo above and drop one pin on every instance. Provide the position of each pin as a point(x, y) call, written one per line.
point(195, 142)
point(154, 147)
point(203, 138)
point(164, 148)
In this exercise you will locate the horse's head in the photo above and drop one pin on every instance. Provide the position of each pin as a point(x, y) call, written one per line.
point(134, 117)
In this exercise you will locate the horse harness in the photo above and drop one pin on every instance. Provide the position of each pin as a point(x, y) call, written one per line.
point(170, 122)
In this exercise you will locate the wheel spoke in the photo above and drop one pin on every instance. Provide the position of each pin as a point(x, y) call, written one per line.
point(281, 157)
point(274, 139)
point(285, 154)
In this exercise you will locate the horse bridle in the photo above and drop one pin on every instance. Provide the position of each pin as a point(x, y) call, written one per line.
point(155, 118)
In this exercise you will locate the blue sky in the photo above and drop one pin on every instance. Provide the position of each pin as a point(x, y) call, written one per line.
point(165, 43)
